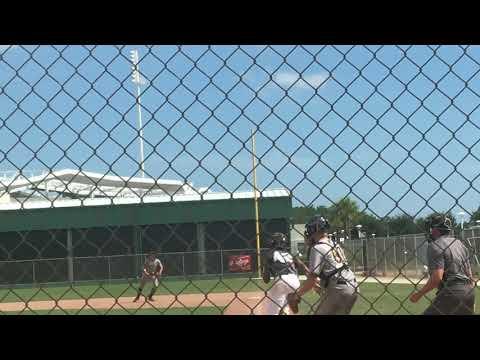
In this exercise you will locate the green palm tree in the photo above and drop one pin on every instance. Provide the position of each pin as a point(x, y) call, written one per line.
point(345, 214)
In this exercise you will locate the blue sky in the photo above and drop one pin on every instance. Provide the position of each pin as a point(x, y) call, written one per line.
point(385, 124)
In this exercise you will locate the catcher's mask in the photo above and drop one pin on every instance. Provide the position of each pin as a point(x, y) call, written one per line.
point(278, 241)
point(437, 225)
point(316, 224)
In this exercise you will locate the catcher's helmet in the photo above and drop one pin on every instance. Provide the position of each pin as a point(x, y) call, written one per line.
point(441, 222)
point(316, 223)
point(278, 241)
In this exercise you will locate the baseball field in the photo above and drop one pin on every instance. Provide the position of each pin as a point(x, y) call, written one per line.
point(234, 296)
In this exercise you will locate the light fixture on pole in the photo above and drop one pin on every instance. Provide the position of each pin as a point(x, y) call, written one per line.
point(136, 79)
point(359, 228)
point(461, 214)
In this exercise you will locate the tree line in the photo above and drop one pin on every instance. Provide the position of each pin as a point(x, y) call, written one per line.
point(345, 215)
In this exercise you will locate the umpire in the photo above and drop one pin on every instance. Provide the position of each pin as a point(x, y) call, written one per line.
point(449, 269)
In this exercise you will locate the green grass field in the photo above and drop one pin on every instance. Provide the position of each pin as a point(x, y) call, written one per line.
point(374, 299)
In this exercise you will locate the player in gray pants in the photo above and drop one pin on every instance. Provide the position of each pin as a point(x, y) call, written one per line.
point(152, 271)
point(327, 262)
point(449, 269)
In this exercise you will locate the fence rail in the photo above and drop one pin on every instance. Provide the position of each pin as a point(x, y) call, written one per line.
point(122, 267)
point(385, 256)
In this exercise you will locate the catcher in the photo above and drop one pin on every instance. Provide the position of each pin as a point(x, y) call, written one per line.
point(152, 270)
point(280, 265)
point(327, 262)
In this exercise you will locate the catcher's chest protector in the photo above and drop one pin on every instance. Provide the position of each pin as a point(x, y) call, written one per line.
point(281, 263)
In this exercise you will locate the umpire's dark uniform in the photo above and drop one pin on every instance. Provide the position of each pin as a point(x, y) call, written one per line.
point(456, 295)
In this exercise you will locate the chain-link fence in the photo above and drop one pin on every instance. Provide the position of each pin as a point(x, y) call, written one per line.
point(194, 152)
point(117, 268)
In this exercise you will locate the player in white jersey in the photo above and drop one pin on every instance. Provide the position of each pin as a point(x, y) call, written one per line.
point(152, 270)
point(279, 264)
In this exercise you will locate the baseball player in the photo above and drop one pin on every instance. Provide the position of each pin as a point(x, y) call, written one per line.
point(449, 271)
point(280, 265)
point(152, 270)
point(327, 262)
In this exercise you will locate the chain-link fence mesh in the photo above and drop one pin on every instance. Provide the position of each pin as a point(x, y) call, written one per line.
point(111, 152)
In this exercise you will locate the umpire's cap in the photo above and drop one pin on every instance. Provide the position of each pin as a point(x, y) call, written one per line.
point(317, 223)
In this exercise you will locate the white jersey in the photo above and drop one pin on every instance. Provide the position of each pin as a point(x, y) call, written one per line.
point(284, 258)
point(326, 258)
point(281, 263)
point(152, 266)
point(282, 267)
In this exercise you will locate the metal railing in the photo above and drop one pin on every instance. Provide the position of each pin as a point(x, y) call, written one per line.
point(212, 263)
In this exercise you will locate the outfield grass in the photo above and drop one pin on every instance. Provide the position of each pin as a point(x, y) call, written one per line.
point(374, 298)
point(106, 290)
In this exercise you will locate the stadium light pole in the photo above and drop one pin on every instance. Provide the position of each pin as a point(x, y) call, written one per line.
point(137, 81)
point(364, 248)
point(255, 199)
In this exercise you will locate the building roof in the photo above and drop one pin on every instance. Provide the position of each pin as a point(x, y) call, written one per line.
point(70, 188)
point(86, 183)
point(61, 203)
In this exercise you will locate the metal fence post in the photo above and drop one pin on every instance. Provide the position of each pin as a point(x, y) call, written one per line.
point(384, 256)
point(365, 256)
point(202, 268)
point(395, 252)
point(33, 272)
point(70, 256)
point(183, 265)
point(375, 253)
point(353, 252)
point(221, 262)
point(109, 270)
point(416, 257)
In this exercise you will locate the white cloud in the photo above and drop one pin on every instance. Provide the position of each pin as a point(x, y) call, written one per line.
point(287, 79)
point(316, 80)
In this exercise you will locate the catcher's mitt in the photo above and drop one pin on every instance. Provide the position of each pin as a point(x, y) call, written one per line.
point(293, 300)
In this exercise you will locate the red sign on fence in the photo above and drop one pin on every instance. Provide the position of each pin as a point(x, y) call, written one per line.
point(240, 263)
